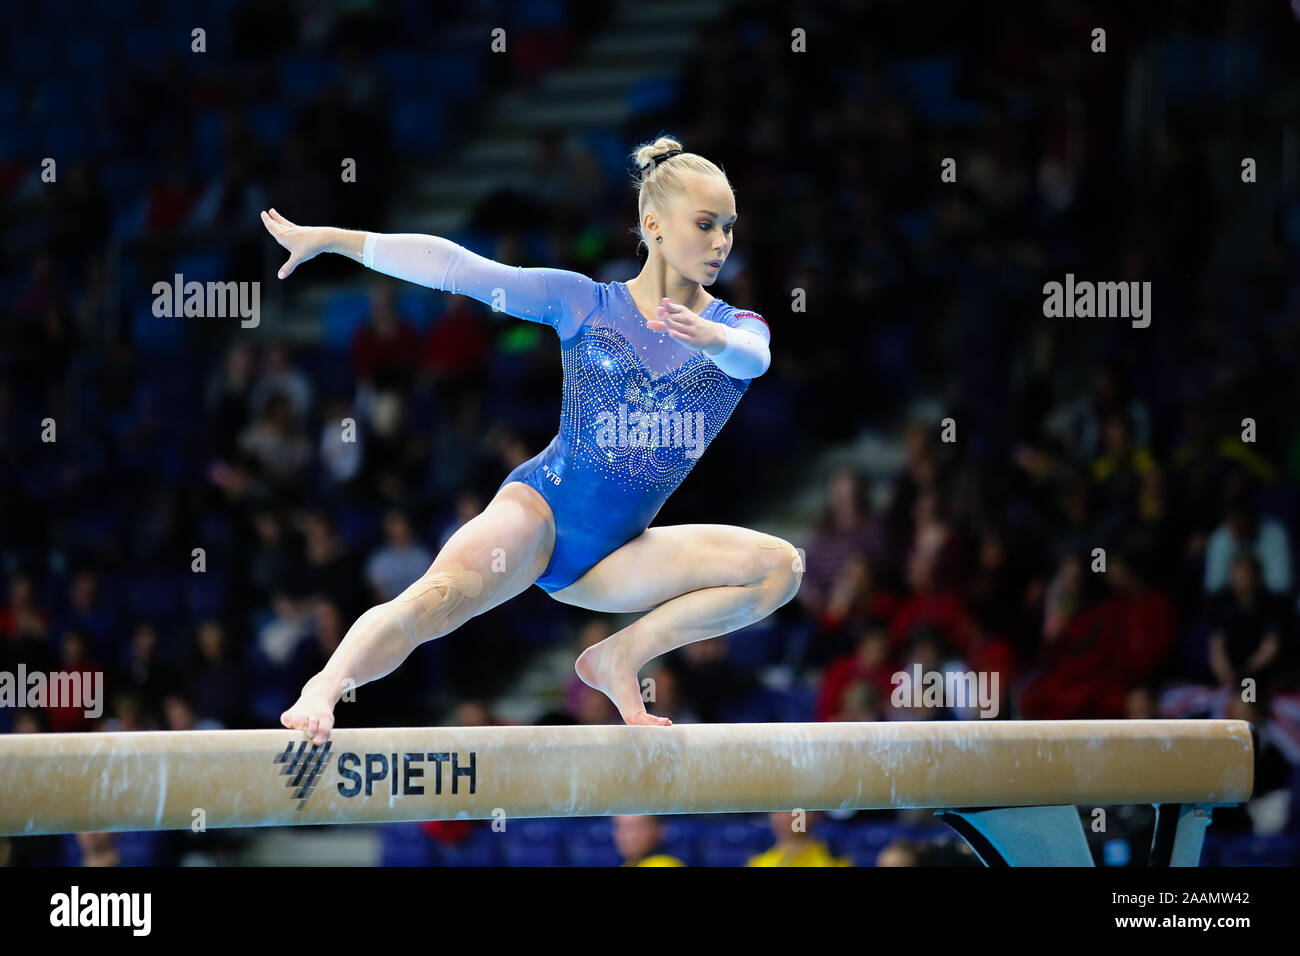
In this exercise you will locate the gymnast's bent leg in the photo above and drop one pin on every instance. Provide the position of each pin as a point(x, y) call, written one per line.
point(698, 581)
point(489, 560)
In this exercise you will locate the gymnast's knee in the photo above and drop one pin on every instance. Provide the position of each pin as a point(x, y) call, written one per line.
point(782, 566)
point(441, 601)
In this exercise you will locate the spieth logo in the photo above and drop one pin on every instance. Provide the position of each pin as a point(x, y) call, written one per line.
point(302, 766)
point(364, 774)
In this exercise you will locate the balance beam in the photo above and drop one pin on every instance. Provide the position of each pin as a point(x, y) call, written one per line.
point(59, 783)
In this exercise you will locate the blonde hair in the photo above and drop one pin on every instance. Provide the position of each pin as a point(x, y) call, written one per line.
point(657, 185)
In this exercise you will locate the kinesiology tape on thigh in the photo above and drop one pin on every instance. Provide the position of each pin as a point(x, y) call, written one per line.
point(434, 598)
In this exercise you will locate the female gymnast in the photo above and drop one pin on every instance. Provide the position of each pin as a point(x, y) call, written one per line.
point(653, 368)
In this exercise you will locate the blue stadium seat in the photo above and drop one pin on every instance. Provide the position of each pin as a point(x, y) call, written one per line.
point(756, 646)
point(420, 307)
point(204, 266)
point(344, 314)
point(683, 837)
point(1282, 850)
point(863, 843)
point(418, 125)
point(87, 51)
point(269, 124)
point(154, 596)
point(549, 14)
point(591, 843)
point(143, 44)
point(302, 77)
point(405, 844)
point(653, 94)
point(533, 843)
point(359, 527)
point(481, 848)
point(34, 54)
point(206, 594)
point(143, 847)
point(733, 843)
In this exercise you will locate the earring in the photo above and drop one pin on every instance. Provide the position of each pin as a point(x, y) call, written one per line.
point(659, 238)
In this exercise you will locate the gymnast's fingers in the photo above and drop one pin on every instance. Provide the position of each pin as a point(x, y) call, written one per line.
point(279, 218)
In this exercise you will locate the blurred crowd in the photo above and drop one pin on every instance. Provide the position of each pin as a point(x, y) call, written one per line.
point(202, 522)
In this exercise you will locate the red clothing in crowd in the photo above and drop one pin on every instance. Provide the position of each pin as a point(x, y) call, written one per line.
point(457, 345)
point(874, 606)
point(842, 674)
point(371, 351)
point(941, 609)
point(1104, 651)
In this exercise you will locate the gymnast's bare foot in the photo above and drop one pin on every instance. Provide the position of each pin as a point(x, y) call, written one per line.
point(603, 667)
point(313, 714)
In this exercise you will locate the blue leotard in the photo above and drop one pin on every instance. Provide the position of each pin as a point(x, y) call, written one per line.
point(639, 407)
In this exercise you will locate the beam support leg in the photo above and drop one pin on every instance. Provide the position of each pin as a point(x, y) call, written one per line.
point(1180, 834)
point(1023, 836)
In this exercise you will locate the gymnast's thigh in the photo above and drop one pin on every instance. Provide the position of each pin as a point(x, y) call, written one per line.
point(664, 562)
point(488, 560)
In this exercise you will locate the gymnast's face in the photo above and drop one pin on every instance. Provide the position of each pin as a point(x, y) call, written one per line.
point(697, 230)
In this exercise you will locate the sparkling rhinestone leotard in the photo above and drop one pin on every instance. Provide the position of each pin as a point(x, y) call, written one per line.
point(639, 407)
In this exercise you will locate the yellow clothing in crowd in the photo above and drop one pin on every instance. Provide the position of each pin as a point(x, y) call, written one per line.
point(814, 853)
point(659, 859)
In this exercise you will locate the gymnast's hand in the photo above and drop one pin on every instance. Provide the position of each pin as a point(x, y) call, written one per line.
point(303, 242)
point(688, 328)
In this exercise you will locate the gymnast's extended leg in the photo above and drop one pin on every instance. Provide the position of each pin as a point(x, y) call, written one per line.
point(489, 560)
point(696, 581)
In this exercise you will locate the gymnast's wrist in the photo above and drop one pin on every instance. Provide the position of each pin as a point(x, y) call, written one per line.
point(719, 344)
point(344, 242)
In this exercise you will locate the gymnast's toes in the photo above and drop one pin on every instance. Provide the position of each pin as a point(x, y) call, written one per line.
point(649, 719)
point(316, 726)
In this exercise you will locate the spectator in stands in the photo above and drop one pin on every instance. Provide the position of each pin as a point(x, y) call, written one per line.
point(867, 665)
point(342, 445)
point(217, 686)
point(846, 529)
point(1249, 625)
point(795, 844)
point(280, 377)
point(899, 852)
point(637, 837)
point(275, 443)
point(856, 596)
point(386, 348)
point(23, 619)
point(90, 612)
point(74, 716)
point(147, 673)
point(928, 603)
point(1244, 531)
point(327, 568)
point(279, 637)
point(399, 561)
point(177, 713)
point(98, 849)
point(228, 399)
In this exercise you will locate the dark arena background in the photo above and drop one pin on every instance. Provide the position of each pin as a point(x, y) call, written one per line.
point(1032, 277)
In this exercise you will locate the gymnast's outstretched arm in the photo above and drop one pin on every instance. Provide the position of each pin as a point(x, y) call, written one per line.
point(556, 297)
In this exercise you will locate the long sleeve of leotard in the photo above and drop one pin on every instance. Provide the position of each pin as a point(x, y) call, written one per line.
point(746, 354)
point(555, 297)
